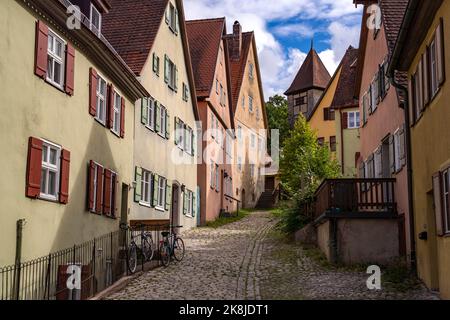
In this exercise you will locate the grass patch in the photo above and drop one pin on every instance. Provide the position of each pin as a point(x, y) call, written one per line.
point(399, 277)
point(221, 221)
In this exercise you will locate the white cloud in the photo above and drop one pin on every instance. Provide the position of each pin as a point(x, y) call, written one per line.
point(279, 65)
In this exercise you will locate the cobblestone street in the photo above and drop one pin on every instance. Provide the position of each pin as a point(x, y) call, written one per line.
point(248, 260)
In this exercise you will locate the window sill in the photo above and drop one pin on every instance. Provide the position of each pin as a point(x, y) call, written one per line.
point(56, 86)
point(162, 135)
point(115, 133)
point(103, 124)
point(150, 128)
point(48, 198)
point(161, 209)
point(144, 204)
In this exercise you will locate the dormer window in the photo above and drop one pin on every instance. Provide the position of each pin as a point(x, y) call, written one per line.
point(172, 18)
point(96, 20)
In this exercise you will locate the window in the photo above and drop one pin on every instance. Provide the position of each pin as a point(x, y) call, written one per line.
point(146, 187)
point(155, 64)
point(321, 141)
point(217, 86)
point(50, 171)
point(179, 133)
point(213, 129)
point(116, 113)
point(170, 74)
point(212, 179)
point(333, 143)
point(96, 20)
point(250, 103)
point(243, 102)
point(252, 170)
point(161, 193)
point(188, 140)
point(55, 60)
point(239, 163)
point(253, 140)
point(399, 149)
point(329, 114)
point(221, 95)
point(149, 113)
point(239, 133)
point(172, 18)
point(162, 121)
point(189, 202)
point(353, 120)
point(446, 202)
point(433, 68)
point(257, 113)
point(250, 70)
point(101, 100)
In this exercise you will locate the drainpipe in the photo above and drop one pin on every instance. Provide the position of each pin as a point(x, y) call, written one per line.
point(406, 106)
point(342, 144)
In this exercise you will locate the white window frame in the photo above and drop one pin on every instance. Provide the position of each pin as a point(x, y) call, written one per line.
point(150, 109)
point(253, 140)
point(188, 132)
point(97, 166)
point(172, 17)
point(146, 183)
point(162, 185)
point(356, 119)
point(162, 121)
point(190, 202)
point(53, 58)
point(180, 134)
point(101, 98)
point(48, 167)
point(397, 160)
point(171, 73)
point(97, 31)
point(116, 112)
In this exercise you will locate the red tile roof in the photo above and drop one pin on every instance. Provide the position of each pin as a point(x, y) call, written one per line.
point(344, 95)
point(133, 38)
point(312, 74)
point(393, 12)
point(237, 66)
point(204, 41)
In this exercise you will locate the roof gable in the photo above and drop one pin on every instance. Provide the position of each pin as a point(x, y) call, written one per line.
point(312, 74)
point(345, 90)
point(204, 41)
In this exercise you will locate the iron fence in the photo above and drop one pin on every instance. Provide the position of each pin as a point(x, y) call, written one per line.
point(102, 261)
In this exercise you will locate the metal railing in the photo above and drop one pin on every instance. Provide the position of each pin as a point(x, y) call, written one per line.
point(102, 260)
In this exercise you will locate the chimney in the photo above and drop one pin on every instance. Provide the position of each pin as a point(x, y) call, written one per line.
point(236, 46)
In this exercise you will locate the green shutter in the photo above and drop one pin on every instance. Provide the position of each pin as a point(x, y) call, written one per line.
point(155, 66)
point(167, 14)
point(176, 129)
point(194, 205)
point(144, 115)
point(166, 69)
point(185, 202)
point(155, 189)
point(157, 117)
point(168, 196)
point(193, 142)
point(138, 188)
point(167, 125)
point(176, 78)
point(177, 26)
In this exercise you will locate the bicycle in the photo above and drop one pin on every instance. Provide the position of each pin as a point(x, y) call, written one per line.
point(146, 248)
point(171, 246)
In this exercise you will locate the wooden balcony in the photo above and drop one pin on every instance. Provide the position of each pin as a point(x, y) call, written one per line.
point(355, 198)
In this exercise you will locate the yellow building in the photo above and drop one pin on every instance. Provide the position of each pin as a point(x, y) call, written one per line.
point(66, 127)
point(422, 51)
point(165, 131)
point(249, 117)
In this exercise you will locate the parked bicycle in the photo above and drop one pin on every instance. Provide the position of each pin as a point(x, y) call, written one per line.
point(146, 248)
point(171, 246)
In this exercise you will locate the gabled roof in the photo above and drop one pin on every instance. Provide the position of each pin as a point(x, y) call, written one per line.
point(131, 27)
point(237, 70)
point(204, 41)
point(312, 74)
point(344, 95)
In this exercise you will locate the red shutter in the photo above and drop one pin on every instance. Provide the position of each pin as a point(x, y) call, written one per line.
point(34, 168)
point(122, 118)
point(99, 195)
point(345, 120)
point(107, 193)
point(91, 196)
point(110, 108)
point(93, 78)
point(65, 171)
point(40, 65)
point(70, 70)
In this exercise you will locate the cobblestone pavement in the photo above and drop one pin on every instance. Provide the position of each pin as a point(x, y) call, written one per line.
point(246, 260)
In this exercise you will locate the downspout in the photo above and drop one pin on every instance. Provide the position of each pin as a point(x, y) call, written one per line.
point(412, 236)
point(342, 144)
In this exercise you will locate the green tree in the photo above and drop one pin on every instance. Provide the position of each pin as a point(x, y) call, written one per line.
point(277, 116)
point(303, 166)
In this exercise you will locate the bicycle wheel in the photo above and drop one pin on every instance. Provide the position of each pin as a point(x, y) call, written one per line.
point(164, 252)
point(132, 258)
point(147, 248)
point(178, 249)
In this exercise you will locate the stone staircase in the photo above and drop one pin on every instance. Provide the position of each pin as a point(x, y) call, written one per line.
point(266, 200)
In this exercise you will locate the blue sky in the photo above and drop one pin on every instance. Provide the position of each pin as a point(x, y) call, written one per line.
point(284, 29)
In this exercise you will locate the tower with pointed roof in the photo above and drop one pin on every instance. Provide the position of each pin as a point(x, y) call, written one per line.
point(307, 87)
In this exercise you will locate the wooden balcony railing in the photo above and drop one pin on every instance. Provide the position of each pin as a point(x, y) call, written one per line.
point(355, 196)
